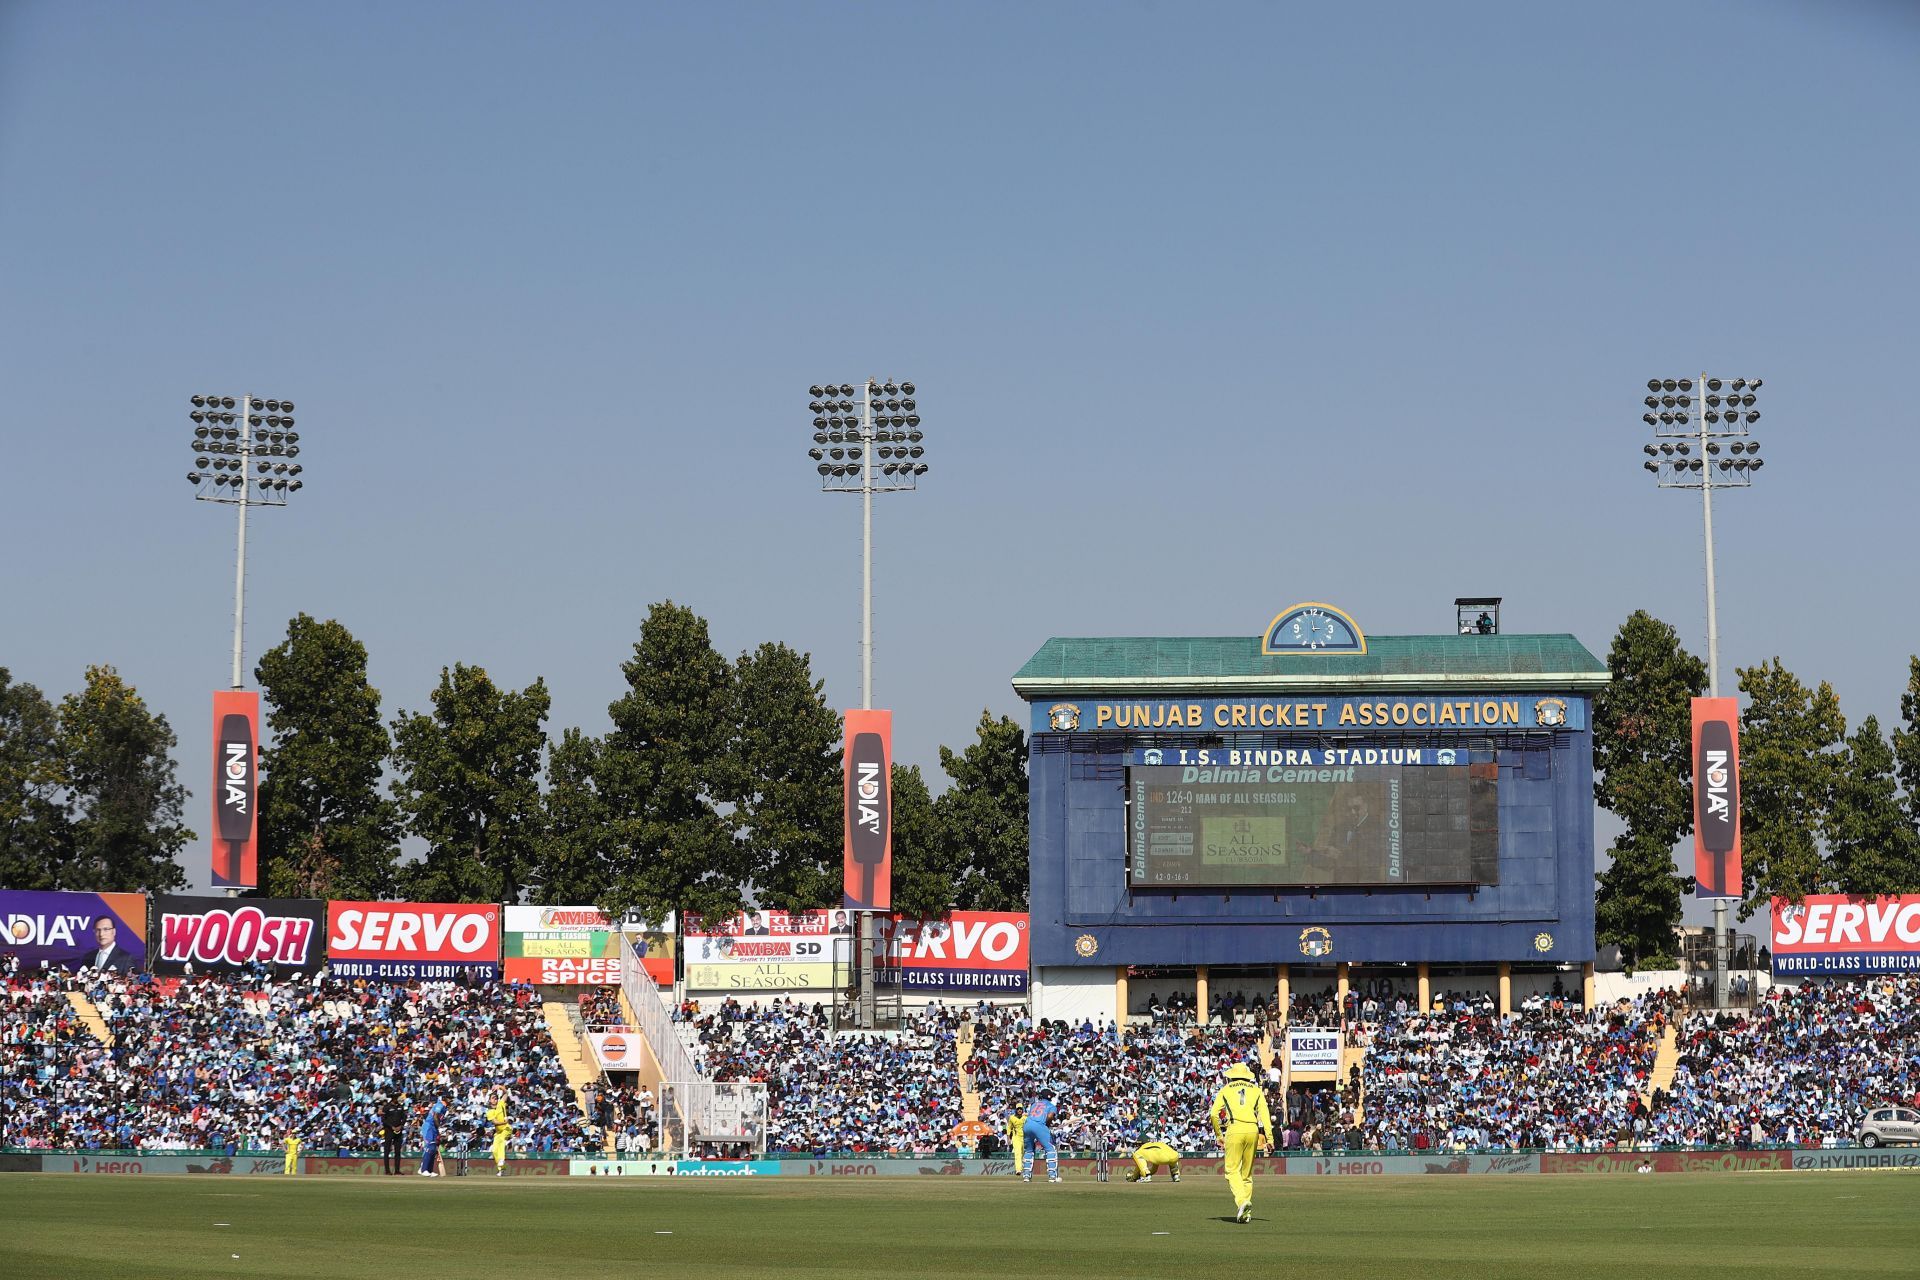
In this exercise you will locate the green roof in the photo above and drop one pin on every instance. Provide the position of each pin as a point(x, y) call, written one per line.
point(1497, 661)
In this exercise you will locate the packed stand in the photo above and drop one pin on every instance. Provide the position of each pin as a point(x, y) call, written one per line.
point(238, 1063)
point(1156, 1083)
point(1468, 1079)
point(1802, 1067)
point(855, 1092)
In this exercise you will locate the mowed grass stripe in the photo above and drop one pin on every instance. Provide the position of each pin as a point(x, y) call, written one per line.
point(1565, 1228)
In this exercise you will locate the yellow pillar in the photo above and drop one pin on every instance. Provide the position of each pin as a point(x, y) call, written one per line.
point(1586, 987)
point(1340, 986)
point(1120, 998)
point(1506, 988)
point(1426, 987)
point(1200, 996)
point(1283, 992)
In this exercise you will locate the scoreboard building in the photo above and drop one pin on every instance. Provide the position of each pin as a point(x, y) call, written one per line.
point(1309, 808)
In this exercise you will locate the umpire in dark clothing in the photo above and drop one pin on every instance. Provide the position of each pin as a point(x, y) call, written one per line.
point(393, 1122)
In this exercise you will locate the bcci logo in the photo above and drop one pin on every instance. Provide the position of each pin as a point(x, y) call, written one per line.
point(1086, 945)
point(1543, 942)
point(1550, 712)
point(1063, 717)
point(1316, 941)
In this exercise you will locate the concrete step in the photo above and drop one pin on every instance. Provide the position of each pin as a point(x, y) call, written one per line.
point(1665, 1063)
point(90, 1016)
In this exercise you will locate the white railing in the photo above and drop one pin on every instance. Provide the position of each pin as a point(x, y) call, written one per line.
point(650, 1009)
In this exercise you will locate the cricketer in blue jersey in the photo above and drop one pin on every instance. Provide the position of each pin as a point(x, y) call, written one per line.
point(430, 1139)
point(1038, 1132)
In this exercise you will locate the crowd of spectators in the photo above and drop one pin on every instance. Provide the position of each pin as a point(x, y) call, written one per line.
point(1804, 1064)
point(239, 1062)
point(1469, 1079)
point(858, 1092)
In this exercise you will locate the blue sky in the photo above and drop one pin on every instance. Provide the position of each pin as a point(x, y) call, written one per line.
point(1211, 309)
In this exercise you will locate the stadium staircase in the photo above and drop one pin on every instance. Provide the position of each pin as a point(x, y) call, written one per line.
point(1352, 1056)
point(90, 1016)
point(573, 1054)
point(1665, 1063)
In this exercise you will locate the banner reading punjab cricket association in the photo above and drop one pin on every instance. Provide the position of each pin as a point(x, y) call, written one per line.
point(972, 951)
point(868, 867)
point(74, 930)
point(425, 941)
point(1716, 798)
point(768, 951)
point(224, 934)
point(1834, 933)
point(580, 947)
point(236, 778)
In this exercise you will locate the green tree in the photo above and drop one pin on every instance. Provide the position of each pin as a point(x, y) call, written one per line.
point(924, 873)
point(983, 816)
point(123, 788)
point(1789, 763)
point(36, 840)
point(784, 780)
point(1643, 762)
point(573, 865)
point(326, 830)
point(1870, 841)
point(469, 785)
point(664, 773)
point(1906, 743)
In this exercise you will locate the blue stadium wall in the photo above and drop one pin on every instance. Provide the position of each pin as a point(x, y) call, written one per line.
point(1540, 912)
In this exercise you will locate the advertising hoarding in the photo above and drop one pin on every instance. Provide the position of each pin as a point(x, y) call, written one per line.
point(867, 773)
point(236, 780)
point(984, 952)
point(1716, 798)
point(74, 930)
point(1313, 1049)
point(224, 934)
point(617, 1048)
point(580, 947)
point(1834, 933)
point(426, 941)
point(767, 951)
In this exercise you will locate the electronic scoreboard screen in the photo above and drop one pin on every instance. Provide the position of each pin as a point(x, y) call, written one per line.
point(1350, 824)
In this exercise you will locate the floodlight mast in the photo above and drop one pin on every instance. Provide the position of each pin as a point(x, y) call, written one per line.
point(844, 449)
point(266, 475)
point(1711, 422)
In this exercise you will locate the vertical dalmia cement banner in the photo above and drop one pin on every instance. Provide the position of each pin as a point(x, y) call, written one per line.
point(236, 777)
point(1716, 798)
point(868, 875)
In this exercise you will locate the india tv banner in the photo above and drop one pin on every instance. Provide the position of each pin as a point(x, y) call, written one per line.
point(236, 786)
point(867, 869)
point(225, 934)
point(427, 941)
point(74, 930)
point(1834, 933)
point(580, 947)
point(1716, 798)
point(767, 950)
point(980, 952)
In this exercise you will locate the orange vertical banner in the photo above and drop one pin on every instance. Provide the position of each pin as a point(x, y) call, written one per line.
point(236, 789)
point(868, 775)
point(1716, 798)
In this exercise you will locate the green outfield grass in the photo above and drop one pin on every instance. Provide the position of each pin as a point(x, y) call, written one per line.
point(1560, 1227)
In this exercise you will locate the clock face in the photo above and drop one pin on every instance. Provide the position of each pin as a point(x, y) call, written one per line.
point(1313, 628)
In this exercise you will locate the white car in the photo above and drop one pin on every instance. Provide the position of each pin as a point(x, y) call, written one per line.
point(1885, 1125)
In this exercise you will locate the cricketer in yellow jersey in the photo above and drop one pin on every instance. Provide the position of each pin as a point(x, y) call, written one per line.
point(1149, 1156)
point(292, 1143)
point(502, 1130)
point(1240, 1121)
point(1017, 1136)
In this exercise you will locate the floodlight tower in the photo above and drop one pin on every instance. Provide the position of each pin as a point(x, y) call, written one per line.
point(243, 455)
point(1701, 441)
point(866, 446)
